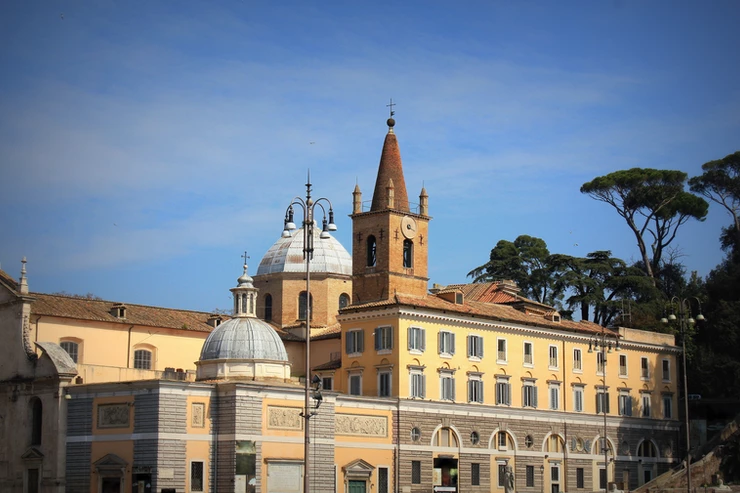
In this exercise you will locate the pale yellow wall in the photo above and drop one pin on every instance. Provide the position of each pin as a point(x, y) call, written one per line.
point(513, 366)
point(197, 451)
point(123, 449)
point(107, 344)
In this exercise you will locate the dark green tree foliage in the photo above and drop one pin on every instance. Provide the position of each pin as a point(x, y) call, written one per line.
point(720, 183)
point(525, 261)
point(653, 203)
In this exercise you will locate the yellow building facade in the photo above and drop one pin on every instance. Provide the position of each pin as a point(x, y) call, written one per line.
point(460, 388)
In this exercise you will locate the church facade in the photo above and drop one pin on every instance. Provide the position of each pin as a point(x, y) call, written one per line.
point(460, 388)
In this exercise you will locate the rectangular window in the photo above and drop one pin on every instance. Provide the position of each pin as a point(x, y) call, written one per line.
point(384, 384)
point(475, 389)
point(143, 359)
point(644, 368)
point(383, 480)
point(554, 396)
point(503, 392)
point(600, 363)
point(355, 342)
point(501, 351)
point(645, 398)
point(72, 349)
point(554, 357)
point(668, 406)
point(625, 404)
point(384, 338)
point(666, 370)
point(622, 365)
point(528, 354)
point(529, 394)
point(501, 475)
point(580, 478)
point(578, 398)
point(33, 481)
point(501, 438)
point(446, 343)
point(447, 386)
point(355, 384)
point(327, 383)
point(417, 382)
point(530, 477)
point(196, 476)
point(602, 402)
point(475, 474)
point(577, 362)
point(417, 339)
point(415, 472)
point(475, 346)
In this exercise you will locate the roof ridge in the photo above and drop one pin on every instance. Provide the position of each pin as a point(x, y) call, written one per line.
point(77, 298)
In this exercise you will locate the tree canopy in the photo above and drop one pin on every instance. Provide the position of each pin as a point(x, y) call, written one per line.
point(652, 202)
point(720, 183)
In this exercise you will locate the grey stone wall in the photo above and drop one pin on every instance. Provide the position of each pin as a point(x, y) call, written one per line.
point(78, 467)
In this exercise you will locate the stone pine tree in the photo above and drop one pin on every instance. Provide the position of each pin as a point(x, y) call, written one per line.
point(720, 183)
point(653, 203)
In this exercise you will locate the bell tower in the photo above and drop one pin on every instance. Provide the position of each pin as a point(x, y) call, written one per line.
point(390, 240)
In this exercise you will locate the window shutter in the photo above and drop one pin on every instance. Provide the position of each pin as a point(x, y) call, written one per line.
point(390, 337)
point(452, 343)
point(606, 398)
point(508, 394)
point(628, 405)
point(361, 341)
point(423, 339)
point(598, 403)
point(348, 342)
point(470, 391)
point(439, 341)
point(480, 347)
point(471, 348)
point(423, 386)
point(409, 337)
point(452, 389)
point(534, 392)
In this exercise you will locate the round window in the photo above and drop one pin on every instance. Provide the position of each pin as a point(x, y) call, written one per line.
point(579, 444)
point(474, 438)
point(415, 434)
point(528, 441)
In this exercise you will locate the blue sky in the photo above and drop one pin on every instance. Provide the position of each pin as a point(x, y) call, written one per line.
point(145, 145)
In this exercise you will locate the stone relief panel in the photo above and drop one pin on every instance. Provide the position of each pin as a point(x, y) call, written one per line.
point(360, 425)
point(113, 415)
point(284, 418)
point(198, 415)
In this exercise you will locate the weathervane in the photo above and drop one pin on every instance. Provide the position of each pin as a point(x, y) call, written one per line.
point(391, 105)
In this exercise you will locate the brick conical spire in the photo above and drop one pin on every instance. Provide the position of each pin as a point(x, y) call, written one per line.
point(390, 168)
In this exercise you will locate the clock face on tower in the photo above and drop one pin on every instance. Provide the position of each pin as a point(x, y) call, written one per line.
point(408, 227)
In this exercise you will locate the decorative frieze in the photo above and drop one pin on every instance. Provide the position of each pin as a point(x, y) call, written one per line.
point(284, 418)
point(113, 415)
point(361, 425)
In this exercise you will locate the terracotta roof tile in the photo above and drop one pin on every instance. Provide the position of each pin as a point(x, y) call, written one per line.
point(491, 311)
point(8, 280)
point(329, 365)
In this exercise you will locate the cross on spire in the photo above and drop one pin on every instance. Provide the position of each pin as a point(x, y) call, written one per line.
point(391, 105)
point(245, 257)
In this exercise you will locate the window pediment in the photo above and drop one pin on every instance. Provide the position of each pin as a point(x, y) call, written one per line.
point(359, 468)
point(32, 454)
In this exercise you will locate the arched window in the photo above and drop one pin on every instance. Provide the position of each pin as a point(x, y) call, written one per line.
point(502, 441)
point(72, 348)
point(445, 437)
point(555, 444)
point(268, 307)
point(143, 359)
point(647, 449)
point(371, 251)
point(302, 306)
point(408, 254)
point(343, 300)
point(36, 420)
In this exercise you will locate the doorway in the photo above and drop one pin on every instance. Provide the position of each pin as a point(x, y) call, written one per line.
point(357, 486)
point(111, 485)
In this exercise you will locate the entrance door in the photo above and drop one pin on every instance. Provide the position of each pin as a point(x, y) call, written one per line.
point(357, 486)
point(111, 485)
point(554, 478)
point(647, 475)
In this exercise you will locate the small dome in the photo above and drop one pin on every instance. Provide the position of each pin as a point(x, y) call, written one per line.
point(286, 255)
point(244, 338)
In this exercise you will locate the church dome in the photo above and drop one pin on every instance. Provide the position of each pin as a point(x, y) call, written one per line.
point(244, 338)
point(286, 255)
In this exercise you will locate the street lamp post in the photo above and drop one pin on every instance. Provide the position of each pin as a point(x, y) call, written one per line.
point(684, 321)
point(604, 343)
point(308, 206)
